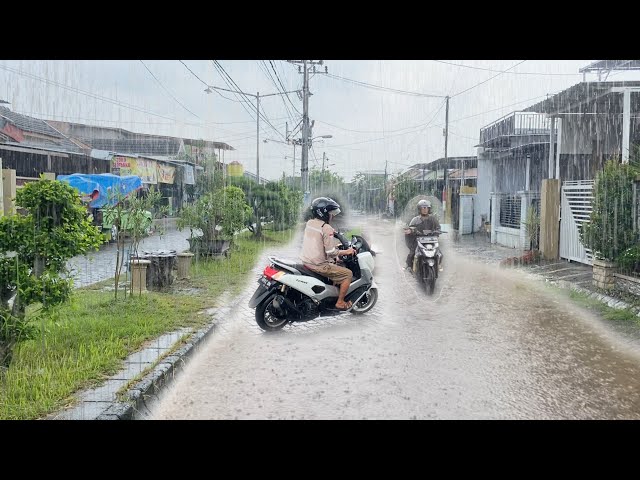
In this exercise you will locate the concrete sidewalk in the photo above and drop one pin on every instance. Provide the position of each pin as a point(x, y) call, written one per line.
point(562, 273)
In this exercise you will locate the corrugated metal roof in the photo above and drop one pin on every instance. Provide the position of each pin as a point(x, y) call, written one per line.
point(158, 146)
point(208, 143)
point(611, 65)
point(574, 99)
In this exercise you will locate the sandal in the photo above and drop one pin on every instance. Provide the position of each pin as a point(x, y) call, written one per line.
point(346, 307)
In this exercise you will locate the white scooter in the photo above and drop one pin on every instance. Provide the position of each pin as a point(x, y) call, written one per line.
point(290, 292)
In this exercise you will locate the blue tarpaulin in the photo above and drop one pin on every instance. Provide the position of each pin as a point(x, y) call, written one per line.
point(98, 186)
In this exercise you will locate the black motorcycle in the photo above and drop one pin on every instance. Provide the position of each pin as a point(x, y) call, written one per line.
point(426, 261)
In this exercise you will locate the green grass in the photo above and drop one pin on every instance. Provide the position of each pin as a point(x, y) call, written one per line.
point(84, 341)
point(607, 312)
point(217, 276)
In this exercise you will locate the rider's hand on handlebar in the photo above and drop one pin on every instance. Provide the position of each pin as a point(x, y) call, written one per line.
point(347, 251)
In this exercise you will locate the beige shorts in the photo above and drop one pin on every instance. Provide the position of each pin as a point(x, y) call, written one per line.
point(332, 271)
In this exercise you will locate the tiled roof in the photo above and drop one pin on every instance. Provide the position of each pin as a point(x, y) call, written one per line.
point(29, 124)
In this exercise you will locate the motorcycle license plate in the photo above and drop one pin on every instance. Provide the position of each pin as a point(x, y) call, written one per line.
point(265, 282)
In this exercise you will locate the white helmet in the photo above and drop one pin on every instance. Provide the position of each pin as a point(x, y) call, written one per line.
point(424, 203)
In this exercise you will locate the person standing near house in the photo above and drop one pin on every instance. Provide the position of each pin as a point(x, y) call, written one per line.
point(423, 221)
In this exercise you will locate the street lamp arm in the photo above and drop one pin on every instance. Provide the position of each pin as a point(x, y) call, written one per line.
point(251, 94)
point(280, 93)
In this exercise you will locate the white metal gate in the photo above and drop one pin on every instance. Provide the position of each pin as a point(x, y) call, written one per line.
point(575, 210)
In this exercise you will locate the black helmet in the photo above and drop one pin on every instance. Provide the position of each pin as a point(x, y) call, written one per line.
point(321, 207)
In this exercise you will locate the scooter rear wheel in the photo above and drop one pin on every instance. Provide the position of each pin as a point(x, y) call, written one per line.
point(266, 318)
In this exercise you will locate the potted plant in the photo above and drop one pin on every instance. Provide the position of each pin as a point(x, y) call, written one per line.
point(532, 226)
point(213, 219)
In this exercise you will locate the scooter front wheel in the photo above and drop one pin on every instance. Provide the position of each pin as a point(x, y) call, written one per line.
point(366, 303)
point(429, 279)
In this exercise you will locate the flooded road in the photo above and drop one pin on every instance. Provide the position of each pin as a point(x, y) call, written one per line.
point(489, 344)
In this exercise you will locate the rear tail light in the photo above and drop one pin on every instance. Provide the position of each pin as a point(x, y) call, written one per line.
point(269, 271)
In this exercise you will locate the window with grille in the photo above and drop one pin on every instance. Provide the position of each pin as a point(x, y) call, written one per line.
point(510, 211)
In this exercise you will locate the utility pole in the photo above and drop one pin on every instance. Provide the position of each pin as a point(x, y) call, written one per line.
point(384, 189)
point(386, 162)
point(324, 156)
point(304, 167)
point(257, 97)
point(306, 134)
point(446, 129)
point(445, 190)
point(258, 137)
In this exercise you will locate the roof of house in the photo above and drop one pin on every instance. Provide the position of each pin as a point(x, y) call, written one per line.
point(209, 144)
point(143, 146)
point(29, 124)
point(449, 162)
point(611, 65)
point(55, 141)
point(69, 126)
point(468, 173)
point(587, 97)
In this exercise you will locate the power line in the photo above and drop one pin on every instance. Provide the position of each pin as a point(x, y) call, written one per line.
point(485, 81)
point(239, 90)
point(462, 136)
point(496, 109)
point(370, 131)
point(426, 125)
point(265, 69)
point(505, 71)
point(420, 127)
point(227, 98)
point(283, 88)
point(441, 124)
point(83, 92)
point(379, 87)
point(177, 101)
point(193, 73)
point(313, 150)
point(236, 90)
point(222, 73)
point(72, 118)
point(106, 99)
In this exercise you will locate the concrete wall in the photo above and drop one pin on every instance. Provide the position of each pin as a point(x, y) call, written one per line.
point(509, 237)
point(627, 284)
point(485, 185)
point(9, 191)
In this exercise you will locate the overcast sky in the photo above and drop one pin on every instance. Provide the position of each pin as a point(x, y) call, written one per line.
point(370, 124)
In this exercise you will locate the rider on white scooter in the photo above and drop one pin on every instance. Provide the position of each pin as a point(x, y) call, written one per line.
point(319, 249)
